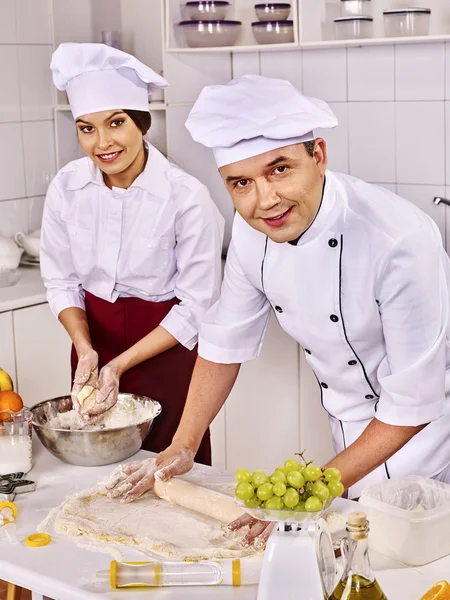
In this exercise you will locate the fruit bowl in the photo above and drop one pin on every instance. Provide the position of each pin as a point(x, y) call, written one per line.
point(285, 515)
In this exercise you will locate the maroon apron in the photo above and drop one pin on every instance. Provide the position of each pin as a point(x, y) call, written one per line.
point(115, 327)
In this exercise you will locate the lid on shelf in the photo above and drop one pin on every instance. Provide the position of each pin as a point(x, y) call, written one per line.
point(215, 2)
point(403, 11)
point(273, 5)
point(355, 18)
point(210, 22)
point(265, 23)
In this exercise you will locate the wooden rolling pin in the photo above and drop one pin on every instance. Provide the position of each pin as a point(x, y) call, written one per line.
point(199, 499)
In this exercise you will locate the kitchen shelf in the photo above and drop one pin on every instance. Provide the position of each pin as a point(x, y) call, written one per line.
point(248, 48)
point(151, 106)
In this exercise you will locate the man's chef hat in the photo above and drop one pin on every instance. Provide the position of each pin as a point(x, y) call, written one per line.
point(97, 77)
point(252, 114)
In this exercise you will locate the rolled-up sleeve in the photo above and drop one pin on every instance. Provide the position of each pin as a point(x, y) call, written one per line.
point(413, 295)
point(198, 250)
point(233, 330)
point(63, 286)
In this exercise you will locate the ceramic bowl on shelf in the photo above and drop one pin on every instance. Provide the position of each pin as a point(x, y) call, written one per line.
point(402, 22)
point(273, 32)
point(204, 10)
point(351, 8)
point(353, 28)
point(272, 11)
point(209, 34)
point(9, 277)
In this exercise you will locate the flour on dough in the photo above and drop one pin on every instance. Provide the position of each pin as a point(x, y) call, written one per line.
point(150, 525)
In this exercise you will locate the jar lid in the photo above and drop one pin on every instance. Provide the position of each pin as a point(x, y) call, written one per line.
point(37, 540)
point(208, 2)
point(273, 5)
point(265, 23)
point(355, 18)
point(209, 22)
point(405, 11)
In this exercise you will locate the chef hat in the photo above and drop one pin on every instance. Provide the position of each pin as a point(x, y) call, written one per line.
point(252, 114)
point(97, 77)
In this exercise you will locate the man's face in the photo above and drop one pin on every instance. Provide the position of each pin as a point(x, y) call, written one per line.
point(278, 192)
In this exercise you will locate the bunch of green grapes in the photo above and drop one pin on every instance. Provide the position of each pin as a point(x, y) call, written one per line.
point(304, 488)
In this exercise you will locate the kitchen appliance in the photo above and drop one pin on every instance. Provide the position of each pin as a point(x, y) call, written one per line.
point(301, 550)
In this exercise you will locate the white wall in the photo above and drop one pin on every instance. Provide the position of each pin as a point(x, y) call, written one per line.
point(27, 152)
point(393, 104)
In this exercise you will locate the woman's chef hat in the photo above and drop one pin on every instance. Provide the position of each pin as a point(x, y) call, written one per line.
point(97, 77)
point(252, 114)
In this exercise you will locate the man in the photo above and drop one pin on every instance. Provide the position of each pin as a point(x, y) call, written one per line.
point(355, 274)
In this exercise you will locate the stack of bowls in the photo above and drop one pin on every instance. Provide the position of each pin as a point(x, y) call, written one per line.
point(356, 20)
point(206, 25)
point(273, 26)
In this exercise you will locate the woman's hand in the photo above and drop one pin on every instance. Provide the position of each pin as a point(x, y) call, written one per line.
point(107, 391)
point(85, 374)
point(259, 532)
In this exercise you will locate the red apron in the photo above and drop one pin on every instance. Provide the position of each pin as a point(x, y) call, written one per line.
point(115, 327)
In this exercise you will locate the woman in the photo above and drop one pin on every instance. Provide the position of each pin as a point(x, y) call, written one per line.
point(131, 244)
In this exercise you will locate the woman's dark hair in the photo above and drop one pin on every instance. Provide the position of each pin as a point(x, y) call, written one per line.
point(141, 118)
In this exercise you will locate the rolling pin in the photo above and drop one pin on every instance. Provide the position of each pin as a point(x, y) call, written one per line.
point(199, 499)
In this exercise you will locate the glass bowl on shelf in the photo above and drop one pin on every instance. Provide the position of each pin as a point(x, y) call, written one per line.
point(272, 11)
point(209, 34)
point(206, 10)
point(402, 22)
point(353, 28)
point(273, 32)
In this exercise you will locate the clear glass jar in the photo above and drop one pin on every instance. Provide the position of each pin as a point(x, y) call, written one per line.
point(353, 28)
point(404, 22)
point(16, 443)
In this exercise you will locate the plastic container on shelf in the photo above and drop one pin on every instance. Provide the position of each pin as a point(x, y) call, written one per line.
point(209, 34)
point(350, 8)
point(353, 28)
point(401, 22)
point(272, 11)
point(273, 32)
point(206, 10)
point(409, 519)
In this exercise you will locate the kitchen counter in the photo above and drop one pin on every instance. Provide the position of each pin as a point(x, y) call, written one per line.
point(67, 571)
point(28, 290)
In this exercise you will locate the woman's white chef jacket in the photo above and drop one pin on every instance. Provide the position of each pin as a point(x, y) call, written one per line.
point(366, 293)
point(161, 238)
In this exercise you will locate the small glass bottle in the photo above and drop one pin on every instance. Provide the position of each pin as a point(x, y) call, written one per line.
point(357, 581)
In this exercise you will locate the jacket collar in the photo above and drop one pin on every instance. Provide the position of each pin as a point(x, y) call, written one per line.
point(154, 179)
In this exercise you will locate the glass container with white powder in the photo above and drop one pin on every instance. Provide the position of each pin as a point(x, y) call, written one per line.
point(16, 443)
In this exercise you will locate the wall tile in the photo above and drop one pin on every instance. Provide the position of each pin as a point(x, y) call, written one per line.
point(420, 142)
point(284, 65)
point(422, 196)
point(12, 174)
point(447, 70)
point(389, 186)
point(447, 220)
point(35, 210)
point(9, 88)
point(447, 143)
point(420, 72)
point(371, 73)
point(325, 74)
point(372, 141)
point(39, 153)
point(13, 217)
point(36, 86)
point(245, 63)
point(8, 32)
point(337, 139)
point(192, 72)
point(33, 19)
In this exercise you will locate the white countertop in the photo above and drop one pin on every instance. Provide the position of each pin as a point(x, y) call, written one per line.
point(28, 290)
point(66, 571)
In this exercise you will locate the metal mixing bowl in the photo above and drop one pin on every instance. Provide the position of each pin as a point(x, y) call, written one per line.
point(86, 447)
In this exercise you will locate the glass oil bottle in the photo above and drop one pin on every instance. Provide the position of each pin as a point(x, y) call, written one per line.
point(357, 581)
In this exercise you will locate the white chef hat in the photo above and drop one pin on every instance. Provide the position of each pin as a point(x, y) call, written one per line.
point(253, 114)
point(97, 77)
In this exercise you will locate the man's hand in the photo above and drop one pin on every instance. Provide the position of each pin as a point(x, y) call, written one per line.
point(134, 479)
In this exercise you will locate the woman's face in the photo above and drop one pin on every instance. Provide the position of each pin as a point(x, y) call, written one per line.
point(111, 139)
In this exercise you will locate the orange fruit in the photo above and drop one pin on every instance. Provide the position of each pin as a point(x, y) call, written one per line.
point(9, 401)
point(439, 591)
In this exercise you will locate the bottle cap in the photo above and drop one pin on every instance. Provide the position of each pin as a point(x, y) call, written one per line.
point(357, 519)
point(37, 540)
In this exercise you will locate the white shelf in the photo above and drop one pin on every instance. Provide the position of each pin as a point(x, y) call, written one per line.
point(151, 106)
point(316, 45)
